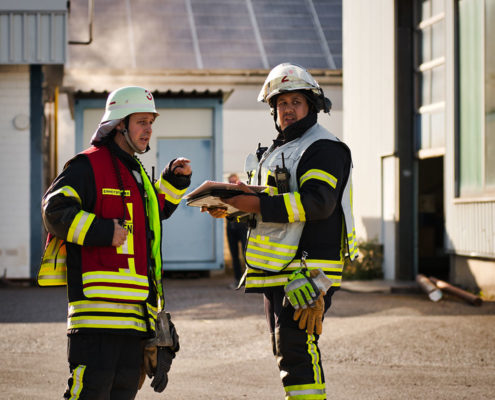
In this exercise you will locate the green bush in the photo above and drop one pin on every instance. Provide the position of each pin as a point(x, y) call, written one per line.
point(368, 264)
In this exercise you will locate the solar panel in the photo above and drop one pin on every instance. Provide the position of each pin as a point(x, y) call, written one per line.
point(209, 34)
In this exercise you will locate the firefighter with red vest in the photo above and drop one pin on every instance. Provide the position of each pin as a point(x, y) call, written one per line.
point(301, 227)
point(103, 215)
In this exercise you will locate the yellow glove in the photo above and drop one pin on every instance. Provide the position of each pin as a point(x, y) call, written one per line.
point(311, 318)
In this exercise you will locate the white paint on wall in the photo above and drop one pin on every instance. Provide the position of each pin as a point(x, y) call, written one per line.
point(66, 133)
point(369, 105)
point(15, 178)
point(389, 212)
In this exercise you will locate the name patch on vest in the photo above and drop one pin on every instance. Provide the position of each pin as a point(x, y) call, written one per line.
point(115, 192)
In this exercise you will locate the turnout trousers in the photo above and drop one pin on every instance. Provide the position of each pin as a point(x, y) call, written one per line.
point(104, 366)
point(297, 353)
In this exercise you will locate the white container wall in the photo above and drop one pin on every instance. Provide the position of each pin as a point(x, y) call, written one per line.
point(14, 179)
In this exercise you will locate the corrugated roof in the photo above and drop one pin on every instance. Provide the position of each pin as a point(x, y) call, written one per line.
point(207, 34)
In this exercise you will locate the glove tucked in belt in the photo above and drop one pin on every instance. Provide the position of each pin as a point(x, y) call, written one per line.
point(305, 292)
point(159, 353)
point(311, 318)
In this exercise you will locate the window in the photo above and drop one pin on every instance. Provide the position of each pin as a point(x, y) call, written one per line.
point(476, 60)
point(430, 77)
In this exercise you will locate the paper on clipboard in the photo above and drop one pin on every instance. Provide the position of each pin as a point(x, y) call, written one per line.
point(209, 194)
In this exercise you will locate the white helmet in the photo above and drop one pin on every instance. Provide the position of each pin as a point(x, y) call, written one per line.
point(288, 77)
point(121, 103)
point(128, 100)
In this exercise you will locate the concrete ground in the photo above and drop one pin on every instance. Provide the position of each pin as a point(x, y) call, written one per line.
point(376, 344)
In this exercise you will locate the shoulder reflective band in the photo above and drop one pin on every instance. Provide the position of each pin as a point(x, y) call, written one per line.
point(67, 191)
point(320, 175)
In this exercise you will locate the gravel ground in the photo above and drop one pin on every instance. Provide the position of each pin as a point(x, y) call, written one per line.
point(374, 345)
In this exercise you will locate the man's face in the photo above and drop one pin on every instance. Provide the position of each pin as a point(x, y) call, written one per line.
point(291, 107)
point(140, 129)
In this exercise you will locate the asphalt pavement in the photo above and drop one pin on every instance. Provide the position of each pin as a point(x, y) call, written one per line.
point(376, 344)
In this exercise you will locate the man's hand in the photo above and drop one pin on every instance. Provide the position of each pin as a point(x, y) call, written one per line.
point(181, 166)
point(215, 212)
point(119, 234)
point(250, 204)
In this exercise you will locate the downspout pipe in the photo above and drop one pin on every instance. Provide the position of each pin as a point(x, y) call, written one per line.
point(91, 7)
point(55, 130)
point(36, 166)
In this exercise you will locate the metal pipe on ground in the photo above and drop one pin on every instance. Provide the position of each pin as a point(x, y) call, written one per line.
point(447, 287)
point(434, 293)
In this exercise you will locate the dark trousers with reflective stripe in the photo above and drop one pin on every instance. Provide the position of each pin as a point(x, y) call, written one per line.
point(104, 366)
point(297, 353)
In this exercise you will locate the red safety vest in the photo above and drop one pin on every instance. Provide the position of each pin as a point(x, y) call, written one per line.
point(116, 273)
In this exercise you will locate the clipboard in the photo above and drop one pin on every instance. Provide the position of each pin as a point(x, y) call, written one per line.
point(210, 193)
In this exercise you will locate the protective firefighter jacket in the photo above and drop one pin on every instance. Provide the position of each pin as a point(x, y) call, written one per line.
point(110, 288)
point(287, 225)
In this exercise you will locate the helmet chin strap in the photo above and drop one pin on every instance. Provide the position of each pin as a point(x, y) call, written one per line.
point(125, 132)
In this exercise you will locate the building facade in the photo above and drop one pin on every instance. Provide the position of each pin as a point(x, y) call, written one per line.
point(421, 76)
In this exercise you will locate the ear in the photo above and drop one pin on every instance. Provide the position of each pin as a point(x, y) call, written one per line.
point(120, 126)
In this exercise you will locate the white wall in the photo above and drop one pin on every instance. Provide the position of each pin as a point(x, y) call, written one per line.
point(369, 120)
point(14, 178)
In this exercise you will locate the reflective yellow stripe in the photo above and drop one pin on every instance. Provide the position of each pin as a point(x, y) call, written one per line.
point(153, 209)
point(128, 246)
point(270, 265)
point(270, 250)
point(106, 322)
point(105, 306)
point(53, 268)
point(288, 207)
point(268, 255)
point(271, 190)
point(113, 292)
point(114, 277)
point(277, 280)
point(294, 207)
point(320, 175)
point(325, 265)
point(79, 227)
point(171, 193)
point(67, 191)
point(351, 244)
point(77, 382)
point(257, 278)
point(59, 278)
point(315, 359)
point(310, 391)
point(152, 313)
point(264, 240)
